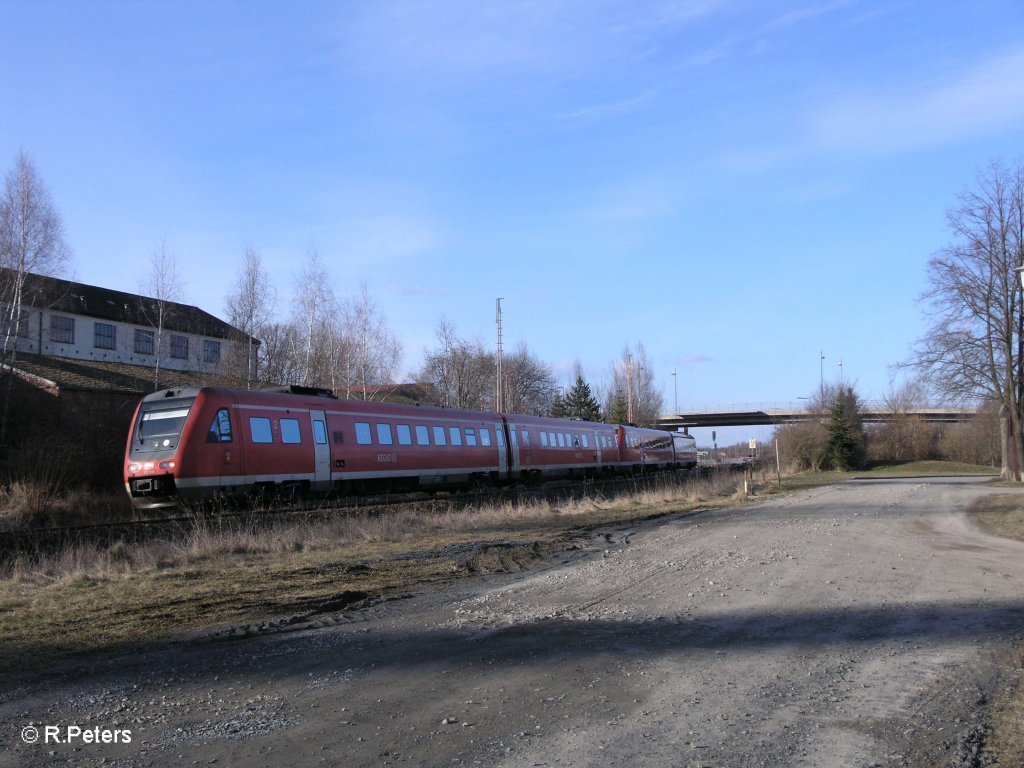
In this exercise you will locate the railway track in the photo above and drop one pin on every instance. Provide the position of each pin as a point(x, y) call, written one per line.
point(40, 541)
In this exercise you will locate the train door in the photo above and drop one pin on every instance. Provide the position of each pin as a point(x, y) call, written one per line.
point(499, 438)
point(597, 450)
point(321, 452)
point(512, 443)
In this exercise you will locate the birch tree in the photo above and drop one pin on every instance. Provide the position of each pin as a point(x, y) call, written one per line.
point(159, 292)
point(250, 305)
point(31, 242)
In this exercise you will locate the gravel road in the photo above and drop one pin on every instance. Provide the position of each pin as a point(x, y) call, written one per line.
point(861, 624)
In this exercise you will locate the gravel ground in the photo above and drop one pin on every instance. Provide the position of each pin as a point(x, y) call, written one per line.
point(863, 624)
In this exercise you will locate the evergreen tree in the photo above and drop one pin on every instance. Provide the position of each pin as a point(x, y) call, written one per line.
point(580, 402)
point(846, 432)
point(619, 412)
point(558, 408)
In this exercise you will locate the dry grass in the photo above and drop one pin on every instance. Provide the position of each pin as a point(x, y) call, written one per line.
point(225, 572)
point(1003, 515)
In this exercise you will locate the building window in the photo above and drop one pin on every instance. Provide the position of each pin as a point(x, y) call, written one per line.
point(62, 329)
point(179, 347)
point(7, 325)
point(145, 342)
point(104, 336)
point(211, 351)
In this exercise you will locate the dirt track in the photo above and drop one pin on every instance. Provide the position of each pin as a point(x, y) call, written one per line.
point(854, 625)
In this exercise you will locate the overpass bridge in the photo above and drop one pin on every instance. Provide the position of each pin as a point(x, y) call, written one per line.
point(766, 414)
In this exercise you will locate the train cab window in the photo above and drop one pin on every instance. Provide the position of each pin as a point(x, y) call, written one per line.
point(439, 438)
point(220, 428)
point(422, 435)
point(470, 436)
point(384, 434)
point(485, 436)
point(259, 427)
point(319, 432)
point(404, 434)
point(456, 435)
point(290, 432)
point(544, 439)
point(363, 433)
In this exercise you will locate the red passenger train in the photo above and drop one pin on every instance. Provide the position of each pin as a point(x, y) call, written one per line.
point(193, 444)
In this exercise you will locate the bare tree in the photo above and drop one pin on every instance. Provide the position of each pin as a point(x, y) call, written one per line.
point(31, 242)
point(314, 316)
point(159, 292)
point(974, 347)
point(530, 384)
point(633, 384)
point(251, 304)
point(371, 351)
point(460, 372)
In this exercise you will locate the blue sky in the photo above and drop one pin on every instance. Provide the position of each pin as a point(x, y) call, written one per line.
point(737, 185)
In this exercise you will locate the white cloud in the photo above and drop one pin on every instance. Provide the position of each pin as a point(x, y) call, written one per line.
point(986, 99)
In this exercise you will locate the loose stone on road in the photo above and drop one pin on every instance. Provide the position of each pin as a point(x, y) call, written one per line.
point(860, 624)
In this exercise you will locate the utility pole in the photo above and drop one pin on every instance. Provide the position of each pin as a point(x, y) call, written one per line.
point(629, 389)
point(499, 393)
point(821, 374)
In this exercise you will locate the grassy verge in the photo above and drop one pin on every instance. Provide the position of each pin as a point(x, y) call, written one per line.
point(88, 599)
point(1003, 515)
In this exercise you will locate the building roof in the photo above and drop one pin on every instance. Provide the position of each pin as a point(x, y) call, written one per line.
point(58, 295)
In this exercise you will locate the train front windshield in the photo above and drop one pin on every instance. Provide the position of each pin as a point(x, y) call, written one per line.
point(159, 425)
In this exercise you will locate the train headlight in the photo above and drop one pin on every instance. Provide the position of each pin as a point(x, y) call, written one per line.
point(134, 467)
point(166, 465)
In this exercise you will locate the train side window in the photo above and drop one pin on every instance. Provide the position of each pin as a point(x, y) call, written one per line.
point(456, 435)
point(515, 440)
point(470, 436)
point(544, 439)
point(551, 440)
point(319, 432)
point(422, 435)
point(526, 439)
point(290, 432)
point(259, 427)
point(439, 438)
point(561, 439)
point(384, 434)
point(586, 443)
point(404, 434)
point(575, 441)
point(485, 436)
point(363, 433)
point(220, 428)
